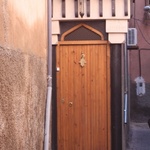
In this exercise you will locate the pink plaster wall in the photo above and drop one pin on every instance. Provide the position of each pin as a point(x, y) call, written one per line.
point(143, 27)
point(140, 106)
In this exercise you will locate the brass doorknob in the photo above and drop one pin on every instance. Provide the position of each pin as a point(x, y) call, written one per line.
point(70, 104)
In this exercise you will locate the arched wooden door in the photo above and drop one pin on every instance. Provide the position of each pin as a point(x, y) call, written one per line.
point(83, 95)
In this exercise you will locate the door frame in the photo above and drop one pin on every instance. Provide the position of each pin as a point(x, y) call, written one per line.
point(96, 42)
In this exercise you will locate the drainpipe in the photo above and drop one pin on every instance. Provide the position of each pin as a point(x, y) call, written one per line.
point(47, 131)
point(125, 84)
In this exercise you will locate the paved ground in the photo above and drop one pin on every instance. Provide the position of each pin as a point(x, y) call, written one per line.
point(139, 137)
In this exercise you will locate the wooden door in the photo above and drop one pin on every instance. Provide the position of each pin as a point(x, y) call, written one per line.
point(83, 96)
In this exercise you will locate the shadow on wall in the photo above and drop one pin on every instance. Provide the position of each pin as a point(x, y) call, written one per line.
point(139, 105)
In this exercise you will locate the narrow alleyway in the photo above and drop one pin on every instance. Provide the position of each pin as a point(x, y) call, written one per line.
point(139, 137)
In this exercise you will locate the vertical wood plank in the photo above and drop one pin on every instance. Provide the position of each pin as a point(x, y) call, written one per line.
point(66, 87)
point(77, 99)
point(95, 146)
point(109, 97)
point(70, 97)
point(104, 103)
point(82, 100)
point(87, 101)
point(97, 90)
point(60, 119)
point(93, 97)
point(58, 76)
point(64, 111)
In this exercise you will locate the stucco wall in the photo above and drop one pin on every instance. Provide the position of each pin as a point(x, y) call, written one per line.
point(140, 106)
point(23, 69)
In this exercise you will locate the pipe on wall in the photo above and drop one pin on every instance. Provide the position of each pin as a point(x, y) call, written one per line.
point(47, 132)
point(125, 83)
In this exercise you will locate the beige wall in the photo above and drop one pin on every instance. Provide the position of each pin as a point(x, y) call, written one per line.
point(23, 25)
point(23, 50)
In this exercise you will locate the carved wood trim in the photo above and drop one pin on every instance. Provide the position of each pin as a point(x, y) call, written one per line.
point(88, 42)
point(82, 25)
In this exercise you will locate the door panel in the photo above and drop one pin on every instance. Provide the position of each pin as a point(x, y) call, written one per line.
point(83, 97)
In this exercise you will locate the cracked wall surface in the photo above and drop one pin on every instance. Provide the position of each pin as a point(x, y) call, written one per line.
point(23, 70)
